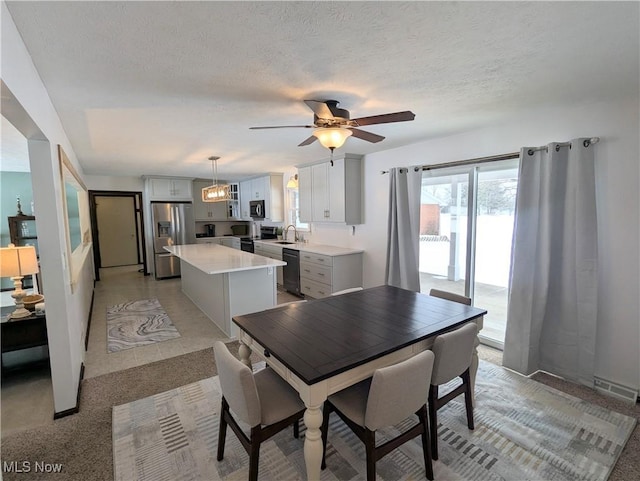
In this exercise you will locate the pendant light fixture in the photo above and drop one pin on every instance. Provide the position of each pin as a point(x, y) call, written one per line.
point(216, 192)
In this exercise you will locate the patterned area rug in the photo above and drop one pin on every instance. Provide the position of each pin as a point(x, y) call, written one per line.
point(138, 323)
point(524, 431)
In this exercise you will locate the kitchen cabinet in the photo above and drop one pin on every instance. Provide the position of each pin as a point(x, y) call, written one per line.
point(171, 189)
point(268, 188)
point(321, 275)
point(272, 251)
point(227, 241)
point(227, 210)
point(233, 242)
point(332, 193)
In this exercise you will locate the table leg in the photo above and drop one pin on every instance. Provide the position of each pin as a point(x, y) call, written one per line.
point(313, 441)
point(473, 369)
point(245, 354)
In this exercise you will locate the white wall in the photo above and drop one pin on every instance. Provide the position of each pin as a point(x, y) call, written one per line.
point(67, 312)
point(617, 154)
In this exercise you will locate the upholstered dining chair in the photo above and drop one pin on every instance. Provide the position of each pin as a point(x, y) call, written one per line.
point(450, 296)
point(453, 351)
point(262, 400)
point(393, 394)
point(346, 291)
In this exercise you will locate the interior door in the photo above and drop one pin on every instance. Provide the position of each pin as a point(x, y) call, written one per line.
point(116, 220)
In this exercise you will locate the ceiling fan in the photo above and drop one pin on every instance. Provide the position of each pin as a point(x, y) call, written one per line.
point(333, 125)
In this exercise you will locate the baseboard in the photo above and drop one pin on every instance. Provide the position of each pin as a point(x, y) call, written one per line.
point(76, 408)
point(86, 336)
point(616, 390)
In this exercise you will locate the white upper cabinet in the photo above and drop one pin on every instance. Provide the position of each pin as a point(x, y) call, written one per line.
point(332, 193)
point(165, 188)
point(268, 188)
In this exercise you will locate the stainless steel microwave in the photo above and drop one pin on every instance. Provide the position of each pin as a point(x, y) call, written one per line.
point(256, 208)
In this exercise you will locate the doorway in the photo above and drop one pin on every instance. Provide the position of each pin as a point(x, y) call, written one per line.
point(118, 229)
point(467, 216)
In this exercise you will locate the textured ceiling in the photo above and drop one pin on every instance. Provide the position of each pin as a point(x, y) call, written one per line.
point(157, 87)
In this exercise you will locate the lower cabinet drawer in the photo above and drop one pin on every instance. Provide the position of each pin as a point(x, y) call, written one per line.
point(315, 272)
point(314, 289)
point(319, 259)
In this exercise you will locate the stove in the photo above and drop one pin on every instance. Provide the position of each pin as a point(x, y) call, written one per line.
point(266, 232)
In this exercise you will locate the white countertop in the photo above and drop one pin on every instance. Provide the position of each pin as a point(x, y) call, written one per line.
point(217, 259)
point(314, 248)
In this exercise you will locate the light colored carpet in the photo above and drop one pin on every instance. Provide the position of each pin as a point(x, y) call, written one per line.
point(138, 323)
point(524, 430)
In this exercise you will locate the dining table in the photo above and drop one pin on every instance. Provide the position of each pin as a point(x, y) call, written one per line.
point(325, 345)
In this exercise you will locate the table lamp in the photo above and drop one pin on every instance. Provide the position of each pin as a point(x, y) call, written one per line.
point(17, 262)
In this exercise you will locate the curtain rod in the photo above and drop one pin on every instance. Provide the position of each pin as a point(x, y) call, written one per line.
point(478, 160)
point(586, 143)
point(495, 158)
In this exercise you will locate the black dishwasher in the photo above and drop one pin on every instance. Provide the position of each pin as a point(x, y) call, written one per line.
point(291, 272)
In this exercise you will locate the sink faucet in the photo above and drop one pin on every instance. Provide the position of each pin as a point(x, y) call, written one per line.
point(295, 232)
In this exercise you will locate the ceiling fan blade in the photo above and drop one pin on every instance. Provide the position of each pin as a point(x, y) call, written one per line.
point(320, 108)
point(284, 127)
point(309, 140)
point(364, 135)
point(386, 118)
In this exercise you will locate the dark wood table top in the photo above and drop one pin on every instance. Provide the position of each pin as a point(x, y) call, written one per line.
point(321, 338)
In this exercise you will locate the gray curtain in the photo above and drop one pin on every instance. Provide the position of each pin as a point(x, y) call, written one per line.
point(551, 320)
point(403, 248)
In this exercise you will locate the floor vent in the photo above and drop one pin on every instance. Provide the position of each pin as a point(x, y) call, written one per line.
point(616, 390)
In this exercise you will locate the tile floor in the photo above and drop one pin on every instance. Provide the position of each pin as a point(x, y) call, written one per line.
point(27, 397)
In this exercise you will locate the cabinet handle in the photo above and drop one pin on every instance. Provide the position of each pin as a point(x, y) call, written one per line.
point(320, 260)
point(321, 274)
point(321, 292)
point(307, 270)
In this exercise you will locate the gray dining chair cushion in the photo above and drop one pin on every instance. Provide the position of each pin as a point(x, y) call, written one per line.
point(450, 296)
point(453, 352)
point(391, 395)
point(278, 400)
point(238, 385)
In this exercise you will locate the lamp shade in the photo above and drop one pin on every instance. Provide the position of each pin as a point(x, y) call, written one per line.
point(332, 137)
point(293, 182)
point(18, 261)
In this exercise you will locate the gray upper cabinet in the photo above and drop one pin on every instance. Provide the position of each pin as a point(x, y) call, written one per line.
point(169, 189)
point(331, 194)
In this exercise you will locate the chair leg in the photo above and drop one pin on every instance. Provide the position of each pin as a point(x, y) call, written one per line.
point(254, 455)
point(222, 429)
point(370, 448)
point(468, 398)
point(296, 429)
point(324, 429)
point(426, 445)
point(433, 420)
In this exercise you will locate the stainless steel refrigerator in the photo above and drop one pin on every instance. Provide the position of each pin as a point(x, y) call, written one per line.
point(173, 224)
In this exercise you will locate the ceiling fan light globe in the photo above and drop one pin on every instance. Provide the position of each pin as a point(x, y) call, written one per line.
point(332, 137)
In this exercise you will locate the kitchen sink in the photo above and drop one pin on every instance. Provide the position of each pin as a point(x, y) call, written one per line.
point(284, 242)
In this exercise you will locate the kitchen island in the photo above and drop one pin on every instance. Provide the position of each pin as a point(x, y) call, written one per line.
point(225, 282)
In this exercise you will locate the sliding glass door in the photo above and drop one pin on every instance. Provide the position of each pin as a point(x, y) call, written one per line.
point(466, 226)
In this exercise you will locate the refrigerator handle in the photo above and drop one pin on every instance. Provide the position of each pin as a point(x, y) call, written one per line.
point(178, 224)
